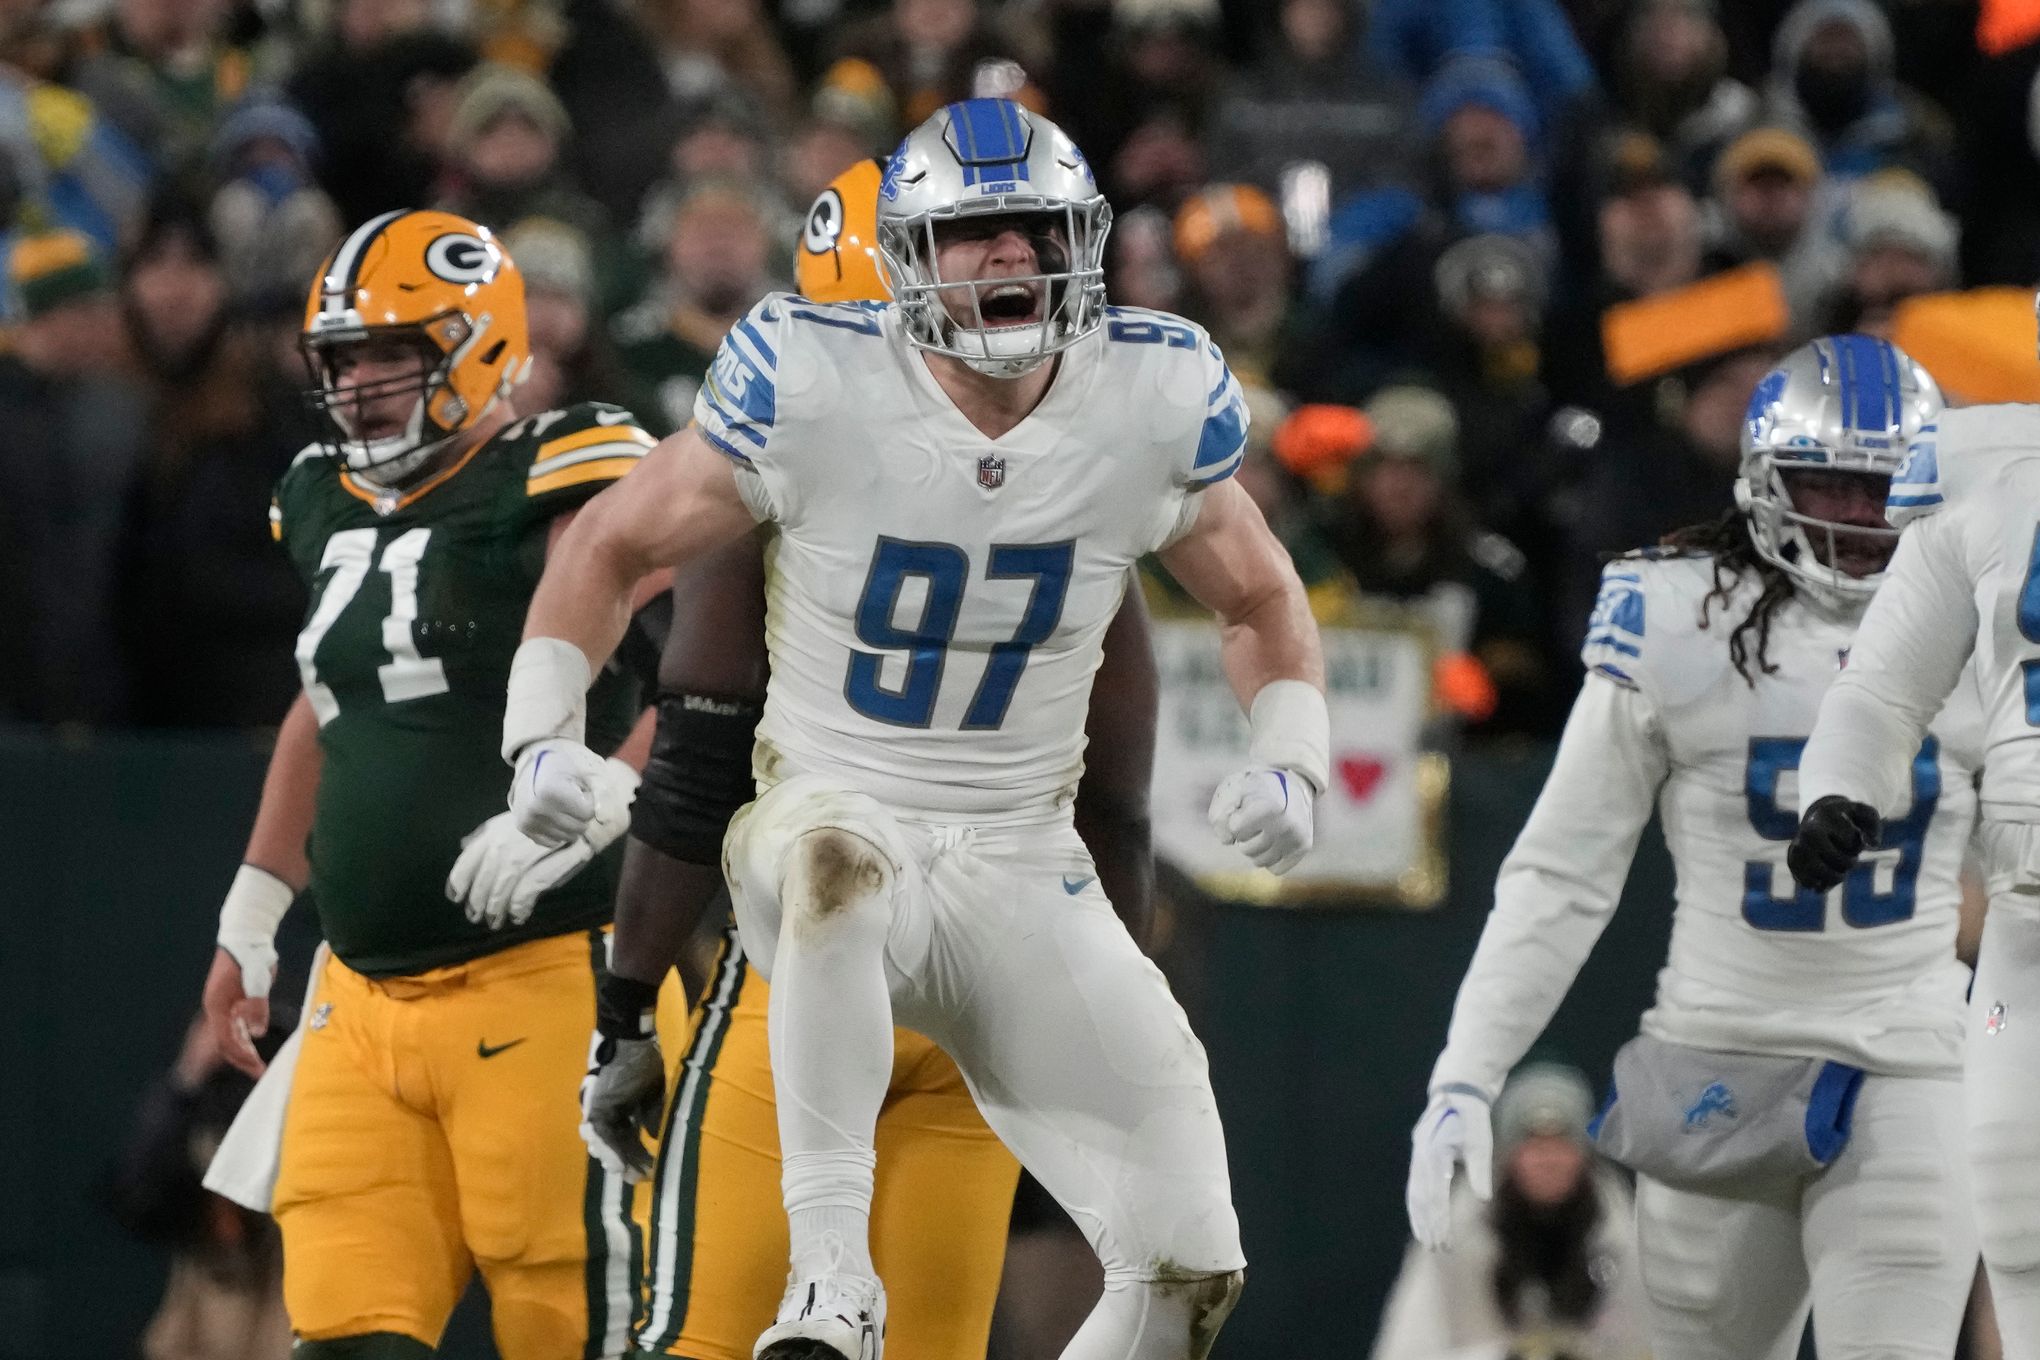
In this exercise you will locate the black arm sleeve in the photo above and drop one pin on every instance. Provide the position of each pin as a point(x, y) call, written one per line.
point(698, 775)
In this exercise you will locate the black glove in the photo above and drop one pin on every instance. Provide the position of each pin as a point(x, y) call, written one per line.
point(1832, 836)
point(623, 1095)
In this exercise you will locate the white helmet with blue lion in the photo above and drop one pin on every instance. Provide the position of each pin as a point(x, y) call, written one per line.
point(986, 158)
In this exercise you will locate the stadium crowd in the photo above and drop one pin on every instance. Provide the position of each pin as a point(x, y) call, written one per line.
point(1501, 273)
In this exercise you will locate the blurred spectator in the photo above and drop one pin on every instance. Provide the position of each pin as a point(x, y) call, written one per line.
point(716, 257)
point(1407, 537)
point(1768, 205)
point(925, 53)
point(818, 152)
point(1416, 38)
point(713, 49)
point(1229, 240)
point(1311, 97)
point(1484, 129)
point(1660, 464)
point(1900, 245)
point(73, 425)
point(1484, 355)
point(1549, 1267)
point(224, 1299)
point(274, 224)
point(608, 75)
point(1670, 79)
point(1650, 241)
point(505, 141)
point(1136, 84)
point(63, 166)
point(572, 358)
point(1834, 78)
point(1143, 269)
point(209, 607)
point(162, 71)
point(382, 100)
point(1373, 283)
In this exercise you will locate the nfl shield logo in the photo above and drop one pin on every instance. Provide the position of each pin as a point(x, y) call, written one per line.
point(991, 472)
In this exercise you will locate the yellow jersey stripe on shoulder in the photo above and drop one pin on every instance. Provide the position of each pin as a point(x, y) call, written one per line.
point(595, 470)
point(609, 448)
point(588, 438)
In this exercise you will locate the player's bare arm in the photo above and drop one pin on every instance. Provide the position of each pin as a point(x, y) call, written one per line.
point(272, 873)
point(1234, 565)
point(682, 501)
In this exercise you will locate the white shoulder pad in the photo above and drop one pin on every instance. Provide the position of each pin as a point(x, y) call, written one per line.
point(1169, 370)
point(1645, 633)
point(1960, 449)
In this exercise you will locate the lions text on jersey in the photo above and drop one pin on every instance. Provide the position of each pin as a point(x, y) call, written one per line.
point(936, 598)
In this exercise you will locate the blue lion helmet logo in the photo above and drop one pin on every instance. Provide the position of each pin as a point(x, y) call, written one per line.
point(889, 182)
point(1716, 1099)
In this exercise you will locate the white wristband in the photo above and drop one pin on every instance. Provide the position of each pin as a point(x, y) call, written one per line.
point(548, 695)
point(1292, 731)
point(255, 906)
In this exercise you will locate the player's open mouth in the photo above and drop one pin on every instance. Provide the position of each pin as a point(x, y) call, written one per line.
point(1010, 304)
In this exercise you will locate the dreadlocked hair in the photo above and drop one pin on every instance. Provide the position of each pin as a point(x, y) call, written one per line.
point(1727, 544)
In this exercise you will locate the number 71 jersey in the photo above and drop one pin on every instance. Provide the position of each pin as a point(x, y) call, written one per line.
point(937, 600)
point(418, 602)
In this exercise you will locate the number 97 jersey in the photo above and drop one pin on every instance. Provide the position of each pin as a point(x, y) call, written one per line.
point(936, 599)
point(1865, 974)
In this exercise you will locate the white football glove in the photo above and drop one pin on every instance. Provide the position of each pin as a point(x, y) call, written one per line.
point(1454, 1132)
point(501, 872)
point(555, 794)
point(1267, 814)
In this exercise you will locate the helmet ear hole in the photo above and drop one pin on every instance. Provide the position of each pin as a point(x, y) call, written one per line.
point(493, 353)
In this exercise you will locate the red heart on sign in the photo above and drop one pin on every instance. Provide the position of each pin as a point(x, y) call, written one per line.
point(1361, 776)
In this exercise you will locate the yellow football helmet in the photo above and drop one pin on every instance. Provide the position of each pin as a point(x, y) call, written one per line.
point(837, 260)
point(433, 278)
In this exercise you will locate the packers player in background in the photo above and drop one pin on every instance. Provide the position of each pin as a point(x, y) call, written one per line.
point(429, 1129)
point(716, 1264)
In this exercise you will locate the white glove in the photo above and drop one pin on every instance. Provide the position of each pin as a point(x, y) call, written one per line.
point(1454, 1132)
point(555, 794)
point(1267, 814)
point(501, 872)
point(255, 904)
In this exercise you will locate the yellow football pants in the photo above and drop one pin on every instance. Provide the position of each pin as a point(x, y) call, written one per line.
point(432, 1130)
point(718, 1258)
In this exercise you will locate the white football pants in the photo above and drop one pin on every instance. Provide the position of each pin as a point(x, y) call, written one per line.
point(2002, 1085)
point(1881, 1244)
point(998, 944)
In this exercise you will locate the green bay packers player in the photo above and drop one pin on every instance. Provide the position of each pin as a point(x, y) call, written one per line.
point(716, 1260)
point(429, 1128)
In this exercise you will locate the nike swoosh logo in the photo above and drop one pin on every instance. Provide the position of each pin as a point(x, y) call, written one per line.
point(612, 417)
point(1073, 886)
point(482, 1049)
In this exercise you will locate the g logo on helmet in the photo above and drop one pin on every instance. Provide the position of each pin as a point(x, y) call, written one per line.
point(460, 258)
point(824, 224)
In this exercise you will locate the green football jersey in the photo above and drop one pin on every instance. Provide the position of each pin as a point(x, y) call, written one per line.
point(417, 605)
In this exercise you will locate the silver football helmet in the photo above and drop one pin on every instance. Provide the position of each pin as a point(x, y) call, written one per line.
point(991, 158)
point(1843, 403)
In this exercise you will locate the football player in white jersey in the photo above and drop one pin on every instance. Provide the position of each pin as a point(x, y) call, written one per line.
point(958, 481)
point(1790, 1100)
point(1965, 583)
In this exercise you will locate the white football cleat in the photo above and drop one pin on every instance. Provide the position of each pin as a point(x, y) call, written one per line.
point(827, 1317)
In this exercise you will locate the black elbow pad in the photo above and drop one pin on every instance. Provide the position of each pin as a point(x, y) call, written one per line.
point(698, 775)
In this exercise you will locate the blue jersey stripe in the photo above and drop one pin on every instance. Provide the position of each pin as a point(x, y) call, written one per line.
point(723, 445)
point(1223, 436)
point(764, 350)
point(1907, 502)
